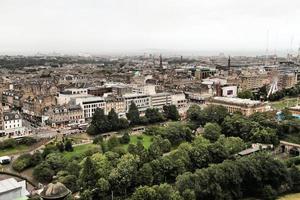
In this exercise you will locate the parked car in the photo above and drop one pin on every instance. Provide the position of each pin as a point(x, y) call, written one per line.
point(5, 160)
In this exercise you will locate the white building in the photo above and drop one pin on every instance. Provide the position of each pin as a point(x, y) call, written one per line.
point(159, 100)
point(229, 91)
point(179, 100)
point(142, 101)
point(83, 91)
point(10, 189)
point(12, 124)
point(65, 97)
point(90, 104)
point(144, 89)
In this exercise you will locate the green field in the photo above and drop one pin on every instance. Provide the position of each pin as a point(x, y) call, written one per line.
point(16, 150)
point(147, 140)
point(290, 197)
point(80, 150)
point(279, 105)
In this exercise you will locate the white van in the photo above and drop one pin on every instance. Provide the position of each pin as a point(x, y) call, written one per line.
point(5, 160)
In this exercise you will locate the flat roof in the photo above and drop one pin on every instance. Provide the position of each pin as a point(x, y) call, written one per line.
point(237, 100)
point(8, 185)
point(130, 95)
point(248, 151)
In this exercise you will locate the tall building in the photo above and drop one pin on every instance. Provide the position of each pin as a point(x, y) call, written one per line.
point(253, 81)
point(287, 80)
point(159, 100)
point(142, 101)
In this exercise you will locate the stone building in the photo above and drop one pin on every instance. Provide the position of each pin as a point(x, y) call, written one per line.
point(64, 115)
point(245, 106)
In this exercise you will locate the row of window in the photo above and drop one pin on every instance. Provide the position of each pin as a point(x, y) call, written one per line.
point(12, 126)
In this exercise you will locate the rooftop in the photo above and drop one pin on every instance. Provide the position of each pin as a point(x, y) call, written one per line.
point(237, 101)
point(11, 184)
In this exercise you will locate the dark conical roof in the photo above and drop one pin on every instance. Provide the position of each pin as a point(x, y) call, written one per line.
point(55, 191)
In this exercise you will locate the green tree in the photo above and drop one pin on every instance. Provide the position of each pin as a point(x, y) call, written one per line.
point(247, 94)
point(217, 152)
point(265, 136)
point(113, 120)
point(156, 192)
point(133, 114)
point(99, 123)
point(43, 173)
point(70, 181)
point(123, 123)
point(60, 146)
point(98, 139)
point(153, 115)
point(171, 112)
point(56, 161)
point(145, 175)
point(212, 131)
point(215, 114)
point(195, 113)
point(22, 162)
point(113, 142)
point(103, 187)
point(125, 139)
point(68, 145)
point(122, 177)
point(89, 175)
point(199, 156)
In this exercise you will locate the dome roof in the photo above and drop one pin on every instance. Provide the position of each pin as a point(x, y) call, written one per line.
point(55, 191)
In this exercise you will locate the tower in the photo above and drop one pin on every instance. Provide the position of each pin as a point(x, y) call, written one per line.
point(229, 65)
point(160, 62)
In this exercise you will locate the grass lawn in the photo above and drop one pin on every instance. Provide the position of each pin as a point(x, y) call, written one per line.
point(16, 150)
point(146, 140)
point(279, 105)
point(290, 197)
point(80, 150)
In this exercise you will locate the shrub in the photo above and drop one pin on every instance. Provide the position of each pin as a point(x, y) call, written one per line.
point(139, 137)
point(27, 141)
point(98, 139)
point(9, 143)
point(22, 162)
point(43, 173)
point(125, 139)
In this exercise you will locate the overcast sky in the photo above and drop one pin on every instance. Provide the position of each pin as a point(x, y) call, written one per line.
point(101, 26)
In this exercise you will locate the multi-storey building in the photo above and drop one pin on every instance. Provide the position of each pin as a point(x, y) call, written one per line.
point(99, 91)
point(116, 103)
point(33, 108)
point(64, 115)
point(89, 104)
point(12, 98)
point(142, 101)
point(287, 80)
point(82, 91)
point(12, 124)
point(253, 81)
point(245, 106)
point(179, 100)
point(158, 100)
